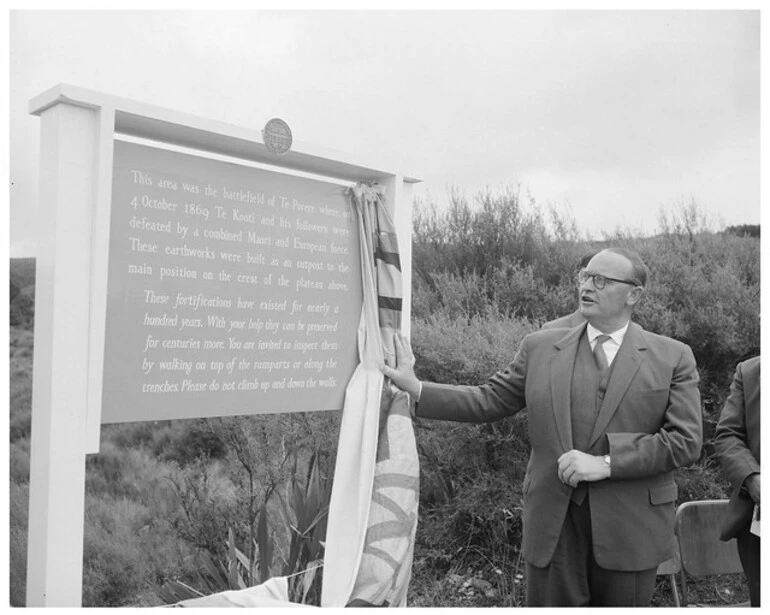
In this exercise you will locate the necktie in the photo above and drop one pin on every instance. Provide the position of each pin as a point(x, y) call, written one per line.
point(601, 358)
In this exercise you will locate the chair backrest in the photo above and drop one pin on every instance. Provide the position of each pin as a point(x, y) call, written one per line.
point(697, 528)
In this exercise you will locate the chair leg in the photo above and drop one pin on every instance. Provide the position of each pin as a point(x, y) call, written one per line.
point(683, 583)
point(672, 581)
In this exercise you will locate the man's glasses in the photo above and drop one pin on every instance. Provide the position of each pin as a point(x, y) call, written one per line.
point(600, 281)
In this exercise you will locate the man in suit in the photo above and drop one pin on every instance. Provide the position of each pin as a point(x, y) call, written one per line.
point(613, 411)
point(575, 318)
point(736, 441)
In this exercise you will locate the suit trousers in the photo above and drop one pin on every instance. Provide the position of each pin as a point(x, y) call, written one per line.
point(748, 551)
point(573, 578)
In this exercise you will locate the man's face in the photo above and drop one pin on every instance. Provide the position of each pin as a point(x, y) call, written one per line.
point(609, 305)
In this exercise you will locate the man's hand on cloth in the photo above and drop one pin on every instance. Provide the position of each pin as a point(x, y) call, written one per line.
point(403, 374)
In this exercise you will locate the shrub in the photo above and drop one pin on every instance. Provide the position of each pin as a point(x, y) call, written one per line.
point(20, 425)
point(186, 441)
point(19, 461)
point(465, 350)
point(476, 238)
point(180, 441)
point(22, 310)
point(114, 560)
point(18, 506)
point(20, 383)
point(135, 435)
point(701, 481)
point(21, 343)
point(131, 522)
point(208, 500)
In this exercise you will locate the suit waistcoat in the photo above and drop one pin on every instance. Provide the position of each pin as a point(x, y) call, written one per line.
point(587, 393)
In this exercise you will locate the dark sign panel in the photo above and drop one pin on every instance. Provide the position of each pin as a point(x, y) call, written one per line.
point(231, 290)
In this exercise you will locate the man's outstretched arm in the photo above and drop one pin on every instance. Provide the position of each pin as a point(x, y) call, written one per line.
point(502, 395)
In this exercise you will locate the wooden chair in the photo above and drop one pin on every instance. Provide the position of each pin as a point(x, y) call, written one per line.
point(701, 551)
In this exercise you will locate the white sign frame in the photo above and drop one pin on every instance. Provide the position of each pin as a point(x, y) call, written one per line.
point(78, 129)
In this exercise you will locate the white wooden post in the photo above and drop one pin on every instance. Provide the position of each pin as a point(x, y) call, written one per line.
point(69, 135)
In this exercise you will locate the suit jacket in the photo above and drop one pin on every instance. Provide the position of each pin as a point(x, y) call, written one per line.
point(736, 442)
point(649, 423)
point(565, 322)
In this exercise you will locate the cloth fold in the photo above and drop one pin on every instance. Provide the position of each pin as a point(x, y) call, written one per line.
point(272, 593)
point(373, 510)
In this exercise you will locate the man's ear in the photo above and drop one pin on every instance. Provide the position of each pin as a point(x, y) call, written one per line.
point(634, 296)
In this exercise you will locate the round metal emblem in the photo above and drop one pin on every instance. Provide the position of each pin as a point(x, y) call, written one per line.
point(277, 136)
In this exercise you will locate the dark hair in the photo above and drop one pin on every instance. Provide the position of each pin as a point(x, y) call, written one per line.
point(584, 260)
point(638, 268)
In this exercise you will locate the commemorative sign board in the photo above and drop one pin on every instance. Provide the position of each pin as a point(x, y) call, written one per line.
point(173, 284)
point(231, 290)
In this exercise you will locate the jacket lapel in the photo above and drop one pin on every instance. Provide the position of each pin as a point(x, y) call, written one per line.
point(562, 364)
point(624, 368)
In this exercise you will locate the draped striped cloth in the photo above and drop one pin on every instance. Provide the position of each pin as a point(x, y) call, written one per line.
point(373, 509)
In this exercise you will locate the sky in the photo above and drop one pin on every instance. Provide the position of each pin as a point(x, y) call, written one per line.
point(609, 117)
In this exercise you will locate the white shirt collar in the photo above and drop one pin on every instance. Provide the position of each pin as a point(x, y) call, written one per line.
point(616, 336)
